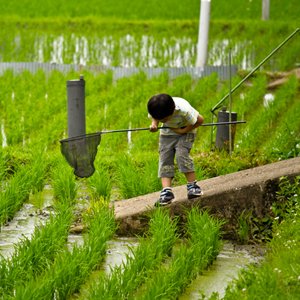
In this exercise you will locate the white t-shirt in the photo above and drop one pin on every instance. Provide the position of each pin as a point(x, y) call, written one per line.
point(184, 115)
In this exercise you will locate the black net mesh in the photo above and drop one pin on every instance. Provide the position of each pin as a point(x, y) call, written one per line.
point(80, 153)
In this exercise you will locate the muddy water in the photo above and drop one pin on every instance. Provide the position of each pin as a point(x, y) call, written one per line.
point(225, 268)
point(33, 213)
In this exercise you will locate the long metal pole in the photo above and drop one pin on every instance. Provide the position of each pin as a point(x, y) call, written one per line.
point(230, 103)
point(218, 105)
point(147, 128)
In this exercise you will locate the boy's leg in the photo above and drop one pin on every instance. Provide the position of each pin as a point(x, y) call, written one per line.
point(193, 189)
point(186, 165)
point(166, 182)
point(190, 176)
point(166, 169)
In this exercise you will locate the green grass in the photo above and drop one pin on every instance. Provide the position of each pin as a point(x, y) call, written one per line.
point(136, 173)
point(72, 267)
point(278, 275)
point(28, 178)
point(150, 10)
point(153, 249)
point(32, 256)
point(192, 257)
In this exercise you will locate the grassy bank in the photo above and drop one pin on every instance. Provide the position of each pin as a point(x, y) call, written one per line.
point(278, 277)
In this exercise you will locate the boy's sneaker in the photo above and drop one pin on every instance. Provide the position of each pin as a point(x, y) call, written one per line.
point(193, 190)
point(166, 197)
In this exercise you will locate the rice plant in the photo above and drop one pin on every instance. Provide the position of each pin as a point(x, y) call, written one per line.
point(153, 249)
point(100, 184)
point(17, 190)
point(64, 184)
point(134, 10)
point(202, 246)
point(71, 268)
point(263, 122)
point(287, 127)
point(134, 180)
point(32, 256)
point(3, 165)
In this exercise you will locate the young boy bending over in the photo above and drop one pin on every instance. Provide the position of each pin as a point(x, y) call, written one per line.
point(175, 141)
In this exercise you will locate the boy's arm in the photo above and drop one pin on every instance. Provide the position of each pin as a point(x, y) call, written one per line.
point(154, 125)
point(189, 128)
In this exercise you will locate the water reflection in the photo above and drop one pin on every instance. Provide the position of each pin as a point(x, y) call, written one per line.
point(136, 51)
point(24, 222)
point(224, 269)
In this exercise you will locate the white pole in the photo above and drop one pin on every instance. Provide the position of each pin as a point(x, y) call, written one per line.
point(203, 33)
point(265, 9)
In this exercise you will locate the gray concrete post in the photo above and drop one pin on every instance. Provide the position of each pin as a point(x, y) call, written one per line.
point(225, 133)
point(76, 107)
point(203, 34)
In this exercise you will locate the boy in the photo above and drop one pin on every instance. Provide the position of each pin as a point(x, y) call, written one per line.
point(177, 140)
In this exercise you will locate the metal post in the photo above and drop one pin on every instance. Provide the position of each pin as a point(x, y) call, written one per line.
point(76, 107)
point(230, 104)
point(226, 133)
point(203, 33)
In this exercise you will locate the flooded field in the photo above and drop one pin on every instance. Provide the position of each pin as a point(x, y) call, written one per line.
point(124, 51)
point(229, 262)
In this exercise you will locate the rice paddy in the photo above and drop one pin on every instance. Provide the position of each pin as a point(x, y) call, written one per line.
point(91, 40)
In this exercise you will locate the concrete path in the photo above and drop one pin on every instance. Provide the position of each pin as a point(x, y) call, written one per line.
point(225, 196)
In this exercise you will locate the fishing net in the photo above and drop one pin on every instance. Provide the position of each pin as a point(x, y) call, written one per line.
point(80, 152)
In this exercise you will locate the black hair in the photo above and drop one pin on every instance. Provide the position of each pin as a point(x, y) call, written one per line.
point(161, 106)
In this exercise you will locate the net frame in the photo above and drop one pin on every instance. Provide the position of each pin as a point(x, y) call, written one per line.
point(80, 153)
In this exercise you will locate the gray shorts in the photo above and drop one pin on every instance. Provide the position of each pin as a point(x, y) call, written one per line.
point(179, 146)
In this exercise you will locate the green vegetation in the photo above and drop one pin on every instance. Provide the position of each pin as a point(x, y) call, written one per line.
point(203, 245)
point(153, 250)
point(127, 165)
point(278, 275)
point(153, 34)
point(16, 190)
point(150, 10)
point(32, 256)
point(70, 269)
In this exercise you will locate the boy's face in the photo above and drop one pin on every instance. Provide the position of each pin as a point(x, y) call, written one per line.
point(164, 120)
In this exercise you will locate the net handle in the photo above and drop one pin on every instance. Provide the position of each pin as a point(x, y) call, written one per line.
point(147, 128)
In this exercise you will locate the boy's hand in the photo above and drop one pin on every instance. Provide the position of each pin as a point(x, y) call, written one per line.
point(189, 128)
point(154, 126)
